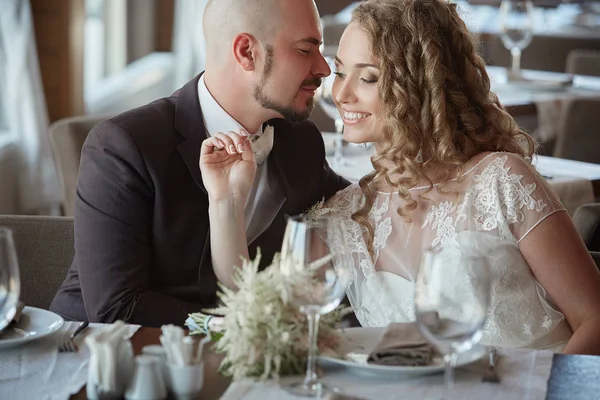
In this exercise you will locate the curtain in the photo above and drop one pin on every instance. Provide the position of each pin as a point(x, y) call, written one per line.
point(189, 47)
point(26, 116)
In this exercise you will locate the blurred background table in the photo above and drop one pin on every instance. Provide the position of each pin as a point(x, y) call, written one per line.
point(575, 182)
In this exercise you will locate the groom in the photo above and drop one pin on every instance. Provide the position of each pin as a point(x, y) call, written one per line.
point(142, 248)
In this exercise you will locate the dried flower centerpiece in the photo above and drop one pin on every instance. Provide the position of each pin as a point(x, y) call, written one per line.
point(260, 332)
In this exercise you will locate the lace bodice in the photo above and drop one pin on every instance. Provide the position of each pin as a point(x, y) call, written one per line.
point(501, 197)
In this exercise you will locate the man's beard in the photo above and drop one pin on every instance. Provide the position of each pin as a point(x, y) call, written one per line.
point(287, 111)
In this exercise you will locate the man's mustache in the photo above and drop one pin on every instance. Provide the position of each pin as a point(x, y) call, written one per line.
point(312, 82)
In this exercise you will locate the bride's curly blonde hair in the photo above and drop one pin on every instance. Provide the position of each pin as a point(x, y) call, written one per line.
point(435, 95)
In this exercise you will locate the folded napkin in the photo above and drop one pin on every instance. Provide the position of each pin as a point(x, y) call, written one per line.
point(402, 344)
point(111, 361)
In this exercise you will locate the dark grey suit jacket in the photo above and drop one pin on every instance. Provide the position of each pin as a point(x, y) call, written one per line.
point(142, 248)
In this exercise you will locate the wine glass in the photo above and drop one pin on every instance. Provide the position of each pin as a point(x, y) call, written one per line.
point(516, 29)
point(324, 95)
point(316, 266)
point(9, 278)
point(451, 300)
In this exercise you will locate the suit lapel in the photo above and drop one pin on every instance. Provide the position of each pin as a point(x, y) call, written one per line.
point(269, 241)
point(282, 164)
point(189, 122)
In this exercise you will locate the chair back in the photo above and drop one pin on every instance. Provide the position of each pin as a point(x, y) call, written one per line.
point(66, 139)
point(584, 62)
point(45, 249)
point(587, 222)
point(579, 138)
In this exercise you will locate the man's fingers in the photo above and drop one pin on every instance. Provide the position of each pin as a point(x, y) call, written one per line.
point(210, 145)
point(234, 142)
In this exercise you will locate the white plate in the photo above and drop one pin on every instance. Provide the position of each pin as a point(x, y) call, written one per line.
point(360, 341)
point(34, 324)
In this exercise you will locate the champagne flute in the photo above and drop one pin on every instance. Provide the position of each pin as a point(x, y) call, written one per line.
point(316, 266)
point(9, 278)
point(516, 29)
point(324, 95)
point(451, 301)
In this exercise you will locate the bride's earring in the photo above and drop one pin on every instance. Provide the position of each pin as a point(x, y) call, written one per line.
point(419, 157)
point(365, 145)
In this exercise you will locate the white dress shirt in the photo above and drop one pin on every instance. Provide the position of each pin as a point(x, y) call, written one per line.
point(266, 196)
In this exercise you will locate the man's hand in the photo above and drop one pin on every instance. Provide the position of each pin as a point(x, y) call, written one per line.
point(227, 165)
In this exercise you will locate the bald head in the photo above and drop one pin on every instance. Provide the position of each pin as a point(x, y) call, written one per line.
point(225, 19)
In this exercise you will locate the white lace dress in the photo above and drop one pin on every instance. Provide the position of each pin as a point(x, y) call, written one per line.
point(499, 196)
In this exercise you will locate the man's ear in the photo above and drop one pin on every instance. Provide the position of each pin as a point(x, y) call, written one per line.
point(245, 47)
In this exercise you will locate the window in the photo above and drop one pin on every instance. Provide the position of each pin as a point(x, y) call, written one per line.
point(122, 67)
point(104, 41)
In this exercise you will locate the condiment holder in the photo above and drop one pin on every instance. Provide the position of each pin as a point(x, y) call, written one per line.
point(156, 350)
point(185, 366)
point(111, 362)
point(147, 382)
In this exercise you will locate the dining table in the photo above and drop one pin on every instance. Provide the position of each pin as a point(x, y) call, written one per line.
point(572, 377)
point(32, 367)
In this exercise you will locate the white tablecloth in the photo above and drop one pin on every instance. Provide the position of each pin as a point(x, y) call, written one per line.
point(524, 375)
point(37, 371)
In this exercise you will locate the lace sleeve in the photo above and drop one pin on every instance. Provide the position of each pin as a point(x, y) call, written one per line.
point(542, 193)
point(524, 197)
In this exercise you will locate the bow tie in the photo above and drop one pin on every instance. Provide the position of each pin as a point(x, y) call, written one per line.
point(262, 144)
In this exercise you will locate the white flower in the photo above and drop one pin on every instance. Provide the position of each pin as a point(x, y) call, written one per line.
point(318, 210)
point(268, 309)
point(264, 337)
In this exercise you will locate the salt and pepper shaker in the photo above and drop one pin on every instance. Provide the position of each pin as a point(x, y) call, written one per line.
point(147, 382)
point(184, 362)
point(157, 351)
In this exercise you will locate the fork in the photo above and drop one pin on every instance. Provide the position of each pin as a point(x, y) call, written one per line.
point(490, 374)
point(69, 345)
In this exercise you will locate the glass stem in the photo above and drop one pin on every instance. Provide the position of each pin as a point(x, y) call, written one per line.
point(516, 59)
point(449, 364)
point(311, 364)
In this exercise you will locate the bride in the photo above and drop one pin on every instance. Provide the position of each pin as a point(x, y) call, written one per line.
point(451, 162)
